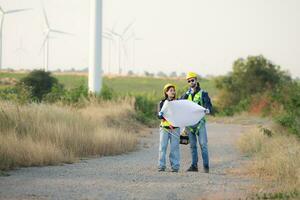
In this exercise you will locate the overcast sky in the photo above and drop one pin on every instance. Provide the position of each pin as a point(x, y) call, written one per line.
point(205, 36)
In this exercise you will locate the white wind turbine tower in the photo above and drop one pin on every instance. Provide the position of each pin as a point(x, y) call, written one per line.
point(95, 52)
point(47, 38)
point(3, 14)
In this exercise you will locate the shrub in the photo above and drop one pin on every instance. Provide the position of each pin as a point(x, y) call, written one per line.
point(251, 76)
point(39, 83)
point(288, 96)
point(20, 94)
point(145, 106)
point(57, 94)
point(75, 95)
point(107, 93)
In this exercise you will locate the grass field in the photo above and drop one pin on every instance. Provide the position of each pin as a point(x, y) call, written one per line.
point(123, 85)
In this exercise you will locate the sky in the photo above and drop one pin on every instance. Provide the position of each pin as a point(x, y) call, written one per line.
point(204, 36)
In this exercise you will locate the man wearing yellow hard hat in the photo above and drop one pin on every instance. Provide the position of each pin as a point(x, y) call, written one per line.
point(168, 133)
point(196, 94)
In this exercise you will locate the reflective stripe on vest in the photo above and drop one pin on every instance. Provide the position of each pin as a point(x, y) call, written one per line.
point(165, 123)
point(197, 98)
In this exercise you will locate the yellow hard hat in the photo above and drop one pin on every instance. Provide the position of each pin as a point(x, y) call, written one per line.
point(191, 75)
point(168, 86)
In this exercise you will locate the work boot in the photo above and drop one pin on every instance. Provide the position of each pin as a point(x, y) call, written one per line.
point(206, 169)
point(174, 170)
point(192, 169)
point(161, 169)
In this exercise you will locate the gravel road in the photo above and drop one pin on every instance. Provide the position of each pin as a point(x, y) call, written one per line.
point(135, 175)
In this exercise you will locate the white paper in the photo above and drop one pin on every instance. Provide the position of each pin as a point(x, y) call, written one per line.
point(182, 113)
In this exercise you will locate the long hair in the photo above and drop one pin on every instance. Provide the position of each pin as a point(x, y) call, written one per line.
point(166, 96)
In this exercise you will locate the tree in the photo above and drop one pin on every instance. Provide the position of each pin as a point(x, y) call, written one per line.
point(39, 83)
point(130, 73)
point(161, 74)
point(251, 76)
point(148, 74)
point(183, 75)
point(173, 74)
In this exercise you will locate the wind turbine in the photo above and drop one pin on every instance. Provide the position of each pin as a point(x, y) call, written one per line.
point(121, 43)
point(134, 38)
point(3, 14)
point(110, 39)
point(95, 53)
point(46, 42)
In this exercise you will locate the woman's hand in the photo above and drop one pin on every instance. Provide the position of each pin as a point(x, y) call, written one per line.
point(160, 114)
point(207, 111)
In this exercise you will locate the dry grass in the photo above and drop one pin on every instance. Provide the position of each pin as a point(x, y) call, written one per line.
point(36, 135)
point(8, 81)
point(275, 157)
point(243, 118)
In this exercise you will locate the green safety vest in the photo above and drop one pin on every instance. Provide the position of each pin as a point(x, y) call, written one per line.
point(198, 100)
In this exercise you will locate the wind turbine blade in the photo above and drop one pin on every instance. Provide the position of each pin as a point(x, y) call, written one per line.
point(45, 15)
point(128, 27)
point(60, 32)
point(106, 37)
point(18, 10)
point(117, 34)
point(108, 34)
point(1, 9)
point(130, 37)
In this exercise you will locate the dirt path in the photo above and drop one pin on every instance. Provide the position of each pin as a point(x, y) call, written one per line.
point(135, 176)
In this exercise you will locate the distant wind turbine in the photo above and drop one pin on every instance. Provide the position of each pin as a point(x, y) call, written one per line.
point(121, 43)
point(46, 42)
point(3, 14)
point(134, 38)
point(110, 39)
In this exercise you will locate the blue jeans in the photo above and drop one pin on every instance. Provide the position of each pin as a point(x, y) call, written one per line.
point(173, 136)
point(202, 139)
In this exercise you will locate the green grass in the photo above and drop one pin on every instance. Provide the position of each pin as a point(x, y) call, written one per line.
point(124, 85)
point(12, 75)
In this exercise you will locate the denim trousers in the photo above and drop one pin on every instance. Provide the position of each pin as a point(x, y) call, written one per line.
point(199, 134)
point(173, 136)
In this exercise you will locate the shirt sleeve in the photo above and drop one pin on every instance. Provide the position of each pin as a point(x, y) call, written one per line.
point(159, 106)
point(207, 101)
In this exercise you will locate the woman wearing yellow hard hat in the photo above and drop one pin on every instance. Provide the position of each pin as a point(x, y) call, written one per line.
point(168, 133)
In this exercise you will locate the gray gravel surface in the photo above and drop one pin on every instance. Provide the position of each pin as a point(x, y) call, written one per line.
point(135, 175)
